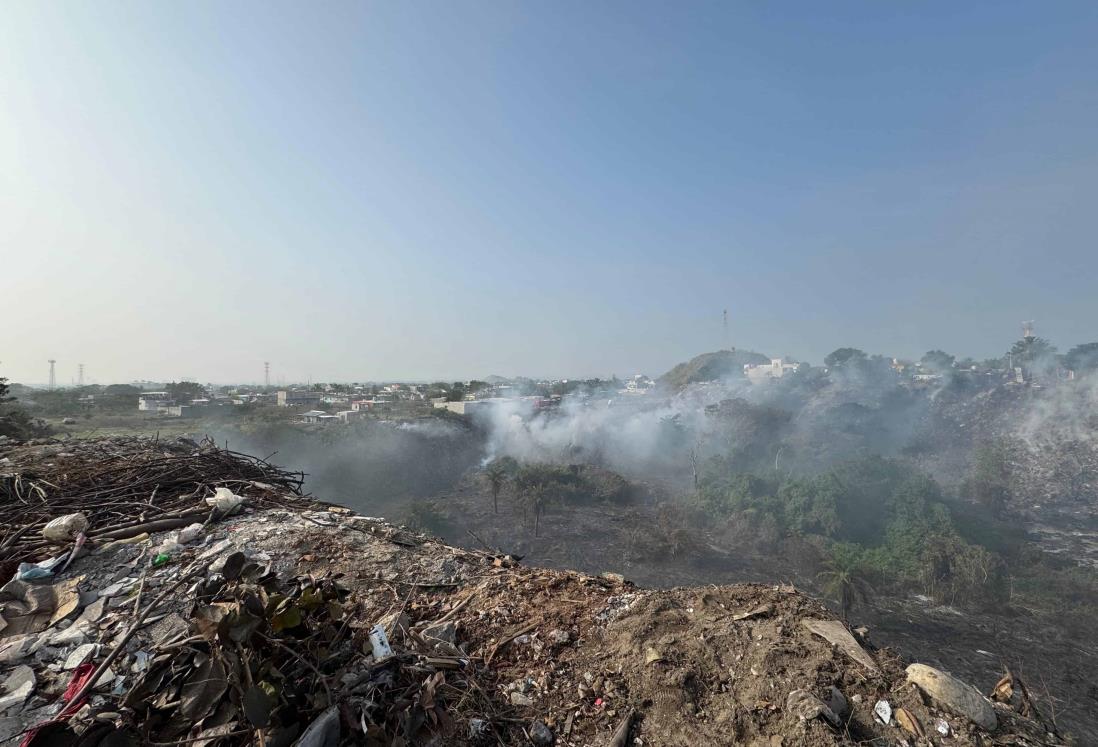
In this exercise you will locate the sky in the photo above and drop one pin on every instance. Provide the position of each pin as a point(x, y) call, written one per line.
point(410, 190)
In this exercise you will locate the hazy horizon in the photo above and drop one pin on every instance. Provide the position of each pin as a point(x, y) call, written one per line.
point(363, 191)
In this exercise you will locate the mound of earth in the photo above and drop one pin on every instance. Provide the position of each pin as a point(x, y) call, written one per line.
point(304, 623)
point(721, 364)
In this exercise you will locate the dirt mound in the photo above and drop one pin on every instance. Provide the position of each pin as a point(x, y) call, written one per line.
point(263, 628)
point(721, 364)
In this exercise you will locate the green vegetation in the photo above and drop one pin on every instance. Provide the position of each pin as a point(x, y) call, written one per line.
point(1082, 359)
point(843, 577)
point(426, 517)
point(844, 356)
point(711, 367)
point(14, 421)
point(879, 519)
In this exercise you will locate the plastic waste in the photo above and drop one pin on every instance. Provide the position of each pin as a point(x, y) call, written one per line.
point(380, 642)
point(161, 559)
point(168, 547)
point(33, 571)
point(189, 534)
point(883, 711)
point(65, 528)
point(225, 500)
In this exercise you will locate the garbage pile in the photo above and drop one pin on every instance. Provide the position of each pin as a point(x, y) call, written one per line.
point(118, 488)
point(288, 622)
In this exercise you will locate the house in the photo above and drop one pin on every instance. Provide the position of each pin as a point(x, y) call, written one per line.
point(298, 399)
point(312, 416)
point(776, 369)
point(154, 401)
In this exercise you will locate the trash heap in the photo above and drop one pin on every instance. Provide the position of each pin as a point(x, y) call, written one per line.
point(277, 620)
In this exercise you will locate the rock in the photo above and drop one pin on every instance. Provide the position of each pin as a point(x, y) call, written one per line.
point(837, 702)
point(521, 699)
point(17, 647)
point(807, 706)
point(79, 655)
point(16, 688)
point(445, 632)
point(74, 635)
point(541, 735)
point(560, 637)
point(835, 633)
point(953, 695)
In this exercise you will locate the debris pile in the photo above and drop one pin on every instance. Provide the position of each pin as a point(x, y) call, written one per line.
point(293, 622)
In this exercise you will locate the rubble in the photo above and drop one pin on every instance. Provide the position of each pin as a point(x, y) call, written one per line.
point(953, 694)
point(294, 621)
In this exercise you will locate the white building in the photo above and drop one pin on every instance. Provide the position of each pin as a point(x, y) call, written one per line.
point(153, 401)
point(776, 369)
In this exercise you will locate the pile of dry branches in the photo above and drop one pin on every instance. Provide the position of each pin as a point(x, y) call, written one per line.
point(124, 486)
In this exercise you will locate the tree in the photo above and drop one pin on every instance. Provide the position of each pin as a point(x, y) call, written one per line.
point(186, 391)
point(844, 356)
point(537, 487)
point(1034, 354)
point(842, 577)
point(937, 360)
point(4, 389)
point(991, 476)
point(1082, 358)
point(496, 476)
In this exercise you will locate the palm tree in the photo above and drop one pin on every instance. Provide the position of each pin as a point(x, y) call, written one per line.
point(843, 578)
point(537, 497)
point(496, 476)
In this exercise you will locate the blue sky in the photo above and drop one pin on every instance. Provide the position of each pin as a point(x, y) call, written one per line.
point(421, 190)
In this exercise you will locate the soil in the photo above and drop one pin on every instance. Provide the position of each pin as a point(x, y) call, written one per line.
point(536, 656)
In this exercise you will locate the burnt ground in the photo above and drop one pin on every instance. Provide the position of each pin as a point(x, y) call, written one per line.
point(978, 647)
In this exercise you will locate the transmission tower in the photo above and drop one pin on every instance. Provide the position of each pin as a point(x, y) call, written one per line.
point(266, 374)
point(80, 374)
point(53, 375)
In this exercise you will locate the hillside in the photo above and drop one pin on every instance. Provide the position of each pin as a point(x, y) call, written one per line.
point(721, 364)
point(294, 621)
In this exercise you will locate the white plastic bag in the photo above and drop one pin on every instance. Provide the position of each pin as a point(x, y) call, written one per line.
point(65, 528)
point(189, 534)
point(225, 501)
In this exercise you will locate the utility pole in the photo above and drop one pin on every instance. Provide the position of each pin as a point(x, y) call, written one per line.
point(53, 375)
point(80, 374)
point(266, 374)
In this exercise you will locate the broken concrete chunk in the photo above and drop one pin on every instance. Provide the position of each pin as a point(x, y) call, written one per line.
point(807, 706)
point(79, 655)
point(16, 688)
point(445, 632)
point(835, 633)
point(16, 648)
point(74, 635)
point(954, 695)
